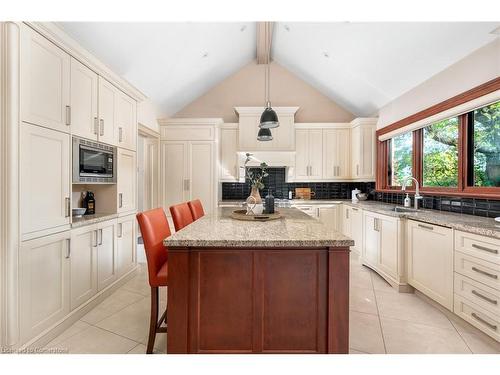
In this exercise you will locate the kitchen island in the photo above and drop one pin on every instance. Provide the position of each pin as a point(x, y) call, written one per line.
point(280, 286)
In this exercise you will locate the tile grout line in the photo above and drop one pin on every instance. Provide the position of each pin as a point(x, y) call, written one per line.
point(459, 334)
point(378, 313)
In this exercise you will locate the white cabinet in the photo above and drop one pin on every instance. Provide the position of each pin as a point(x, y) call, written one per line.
point(336, 153)
point(125, 244)
point(84, 83)
point(382, 247)
point(430, 261)
point(83, 260)
point(201, 173)
point(45, 179)
point(228, 154)
point(126, 121)
point(352, 226)
point(174, 158)
point(309, 155)
point(329, 215)
point(126, 180)
point(107, 112)
point(283, 136)
point(43, 283)
point(45, 82)
point(106, 256)
point(363, 142)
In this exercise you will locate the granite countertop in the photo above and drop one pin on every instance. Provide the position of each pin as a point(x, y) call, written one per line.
point(91, 219)
point(468, 223)
point(295, 229)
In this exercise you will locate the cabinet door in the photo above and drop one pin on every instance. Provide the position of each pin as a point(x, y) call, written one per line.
point(126, 180)
point(367, 152)
point(83, 260)
point(228, 155)
point(173, 173)
point(315, 146)
point(84, 82)
point(357, 229)
point(45, 82)
point(45, 178)
point(346, 221)
point(330, 144)
point(343, 153)
point(329, 216)
point(44, 283)
point(389, 246)
point(430, 261)
point(106, 257)
point(126, 124)
point(356, 151)
point(371, 237)
point(301, 155)
point(283, 135)
point(125, 244)
point(201, 176)
point(107, 112)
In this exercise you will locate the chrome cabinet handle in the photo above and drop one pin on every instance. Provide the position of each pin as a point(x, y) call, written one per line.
point(68, 115)
point(68, 248)
point(120, 231)
point(120, 200)
point(94, 232)
point(354, 209)
point(485, 273)
point(120, 134)
point(347, 214)
point(100, 237)
point(101, 127)
point(425, 226)
point(479, 247)
point(478, 318)
point(96, 126)
point(492, 301)
point(67, 206)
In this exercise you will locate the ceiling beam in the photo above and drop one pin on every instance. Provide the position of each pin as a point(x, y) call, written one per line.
point(264, 41)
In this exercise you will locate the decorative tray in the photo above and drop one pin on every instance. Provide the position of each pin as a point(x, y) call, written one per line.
point(242, 215)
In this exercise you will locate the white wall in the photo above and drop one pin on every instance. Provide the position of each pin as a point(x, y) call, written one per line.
point(148, 113)
point(479, 67)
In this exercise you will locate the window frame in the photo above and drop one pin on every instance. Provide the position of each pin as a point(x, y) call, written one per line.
point(464, 143)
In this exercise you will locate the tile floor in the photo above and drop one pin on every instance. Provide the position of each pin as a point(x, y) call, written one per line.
point(382, 321)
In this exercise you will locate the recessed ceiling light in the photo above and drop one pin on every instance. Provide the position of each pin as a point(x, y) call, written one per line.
point(287, 28)
point(243, 28)
point(326, 54)
point(496, 31)
point(205, 55)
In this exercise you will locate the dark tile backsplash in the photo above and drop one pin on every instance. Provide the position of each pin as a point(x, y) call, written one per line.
point(342, 190)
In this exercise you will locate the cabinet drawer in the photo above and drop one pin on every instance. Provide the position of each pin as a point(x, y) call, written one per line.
point(478, 246)
point(478, 317)
point(482, 295)
point(477, 269)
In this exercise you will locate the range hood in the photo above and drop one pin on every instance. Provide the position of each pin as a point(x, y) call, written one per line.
point(274, 159)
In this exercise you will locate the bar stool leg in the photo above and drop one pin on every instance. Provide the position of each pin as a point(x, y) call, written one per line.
point(154, 320)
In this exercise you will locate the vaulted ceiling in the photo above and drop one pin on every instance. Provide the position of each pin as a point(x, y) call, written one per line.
point(361, 66)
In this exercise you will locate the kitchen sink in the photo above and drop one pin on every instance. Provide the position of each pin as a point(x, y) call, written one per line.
point(404, 209)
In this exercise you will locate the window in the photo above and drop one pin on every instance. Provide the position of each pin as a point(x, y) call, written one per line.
point(400, 159)
point(440, 154)
point(484, 146)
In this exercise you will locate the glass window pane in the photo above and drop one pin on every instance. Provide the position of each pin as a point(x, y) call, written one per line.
point(440, 154)
point(400, 158)
point(486, 135)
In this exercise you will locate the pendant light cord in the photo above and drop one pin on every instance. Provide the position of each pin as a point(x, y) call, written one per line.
point(269, 37)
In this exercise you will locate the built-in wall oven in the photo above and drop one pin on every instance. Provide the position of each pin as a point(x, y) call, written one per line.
point(93, 162)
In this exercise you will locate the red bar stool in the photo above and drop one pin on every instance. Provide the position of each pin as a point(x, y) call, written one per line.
point(196, 209)
point(154, 228)
point(181, 215)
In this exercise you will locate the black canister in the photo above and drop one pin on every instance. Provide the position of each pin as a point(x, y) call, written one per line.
point(89, 203)
point(269, 203)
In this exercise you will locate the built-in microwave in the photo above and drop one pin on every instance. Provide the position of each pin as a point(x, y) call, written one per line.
point(93, 162)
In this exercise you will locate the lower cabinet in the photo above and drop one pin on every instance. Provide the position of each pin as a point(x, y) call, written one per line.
point(329, 215)
point(382, 248)
point(125, 244)
point(44, 283)
point(351, 225)
point(430, 261)
point(83, 260)
point(106, 256)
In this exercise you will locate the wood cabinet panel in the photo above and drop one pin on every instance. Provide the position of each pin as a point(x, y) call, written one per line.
point(83, 260)
point(228, 155)
point(126, 121)
point(125, 244)
point(84, 86)
point(106, 255)
point(201, 174)
point(174, 165)
point(107, 112)
point(126, 181)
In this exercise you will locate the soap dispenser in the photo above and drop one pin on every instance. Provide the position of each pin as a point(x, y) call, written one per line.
point(407, 201)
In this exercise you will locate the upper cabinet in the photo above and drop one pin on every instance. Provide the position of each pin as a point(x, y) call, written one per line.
point(126, 121)
point(308, 154)
point(283, 136)
point(337, 153)
point(363, 148)
point(108, 96)
point(45, 82)
point(84, 84)
point(228, 166)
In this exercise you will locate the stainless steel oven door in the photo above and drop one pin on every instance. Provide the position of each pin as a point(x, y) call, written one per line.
point(93, 162)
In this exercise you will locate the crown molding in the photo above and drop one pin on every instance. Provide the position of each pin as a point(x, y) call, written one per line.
point(257, 111)
point(190, 121)
point(360, 121)
point(59, 37)
point(323, 125)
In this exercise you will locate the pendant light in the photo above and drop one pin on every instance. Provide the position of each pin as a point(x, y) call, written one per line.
point(269, 118)
point(264, 135)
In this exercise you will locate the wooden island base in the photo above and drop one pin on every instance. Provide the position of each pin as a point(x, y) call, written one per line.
point(258, 300)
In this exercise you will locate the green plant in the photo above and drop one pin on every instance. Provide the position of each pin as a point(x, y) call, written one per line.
point(256, 175)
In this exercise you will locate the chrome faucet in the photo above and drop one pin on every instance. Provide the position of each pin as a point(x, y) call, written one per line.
point(417, 189)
